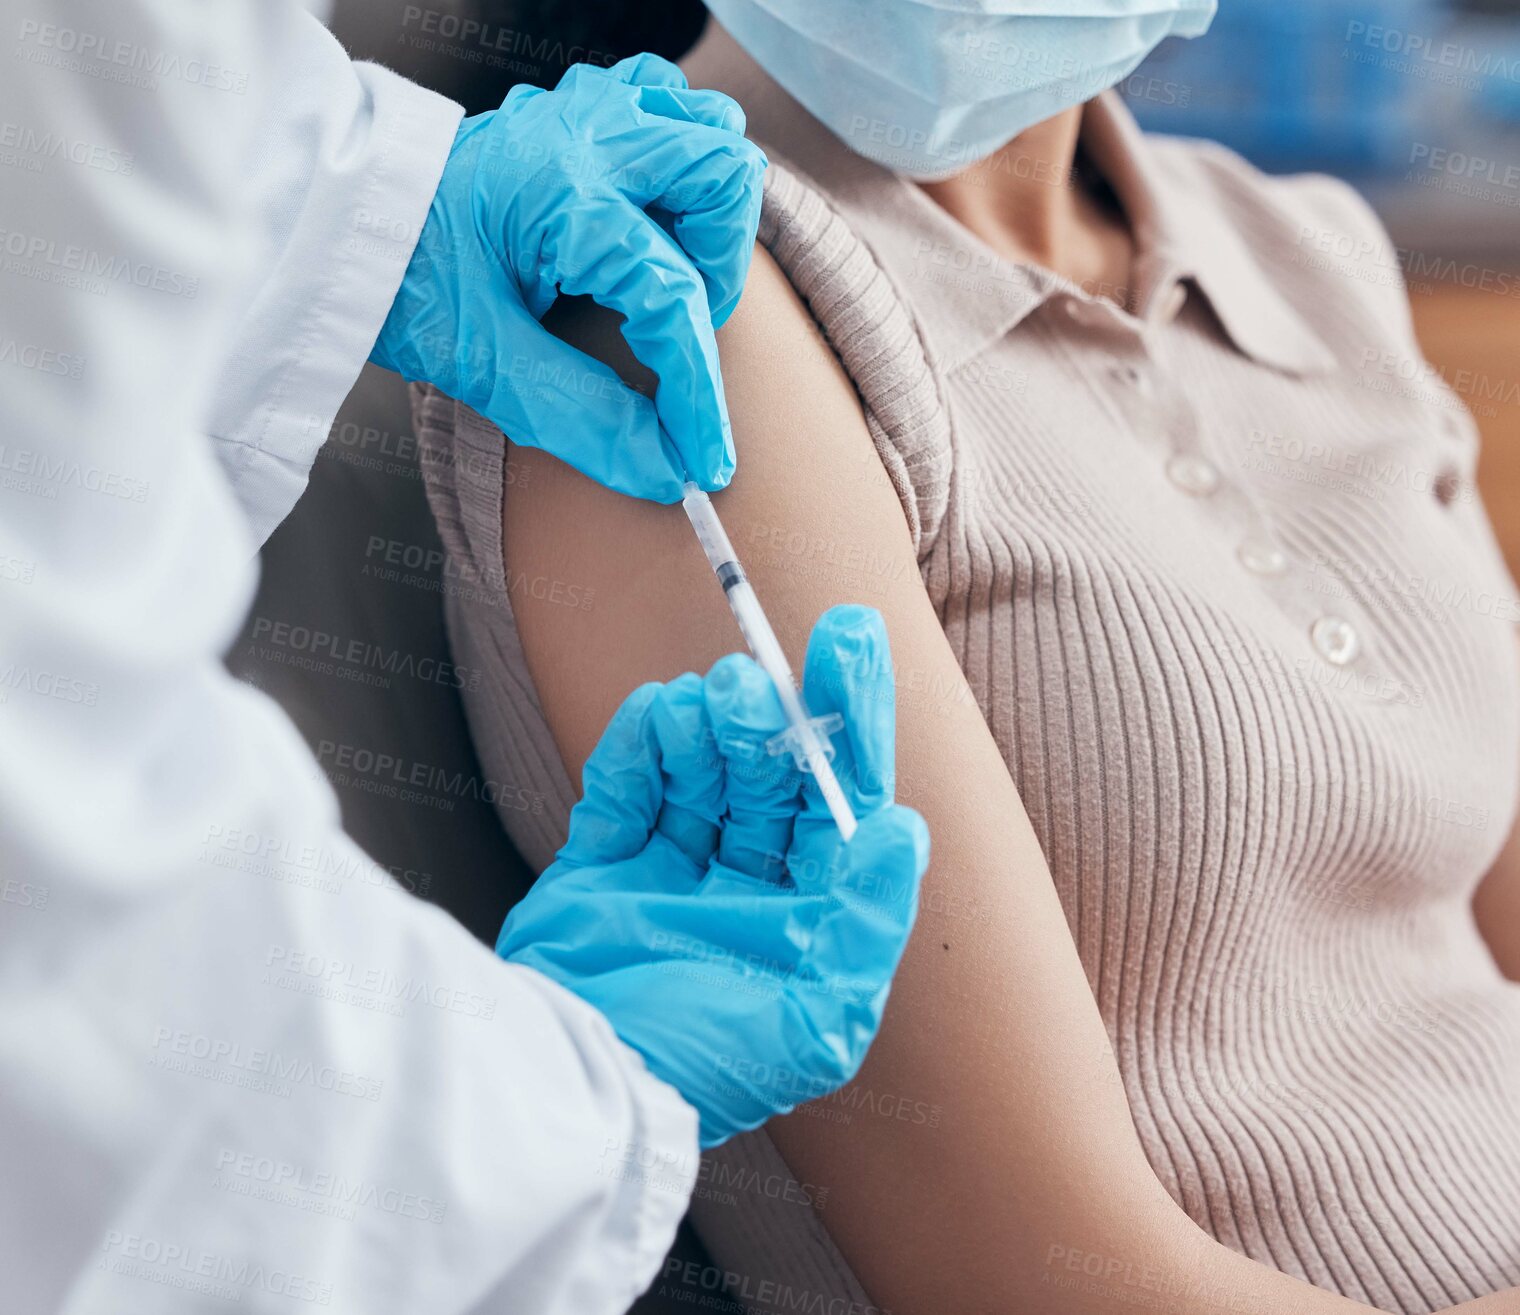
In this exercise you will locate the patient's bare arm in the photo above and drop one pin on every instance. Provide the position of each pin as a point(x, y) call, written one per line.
point(1034, 1159)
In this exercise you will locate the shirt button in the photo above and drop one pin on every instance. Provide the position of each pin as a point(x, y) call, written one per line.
point(1335, 640)
point(1262, 558)
point(1171, 308)
point(1196, 476)
point(1134, 377)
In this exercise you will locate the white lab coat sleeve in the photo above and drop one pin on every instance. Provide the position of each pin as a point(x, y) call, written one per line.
point(237, 1062)
point(345, 165)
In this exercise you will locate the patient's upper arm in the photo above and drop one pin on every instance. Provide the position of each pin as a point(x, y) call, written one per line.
point(996, 1128)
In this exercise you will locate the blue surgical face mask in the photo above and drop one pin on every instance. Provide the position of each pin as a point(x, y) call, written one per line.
point(927, 87)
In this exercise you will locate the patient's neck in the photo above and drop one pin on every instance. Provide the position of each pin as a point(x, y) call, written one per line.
point(1031, 203)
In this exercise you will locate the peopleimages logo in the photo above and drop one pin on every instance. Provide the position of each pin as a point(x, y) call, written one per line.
point(1418, 48)
point(43, 683)
point(329, 653)
point(391, 776)
point(42, 360)
point(486, 43)
point(285, 1183)
point(174, 1264)
point(20, 142)
point(45, 257)
point(347, 982)
point(327, 868)
point(112, 60)
point(45, 473)
point(219, 1059)
point(1466, 166)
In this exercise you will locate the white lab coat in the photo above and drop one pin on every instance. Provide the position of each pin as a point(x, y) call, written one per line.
point(236, 1062)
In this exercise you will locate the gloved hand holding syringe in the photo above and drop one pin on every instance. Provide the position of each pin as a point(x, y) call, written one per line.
point(806, 736)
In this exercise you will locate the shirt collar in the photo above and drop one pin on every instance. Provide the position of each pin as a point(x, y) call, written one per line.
point(966, 295)
point(969, 297)
point(1180, 230)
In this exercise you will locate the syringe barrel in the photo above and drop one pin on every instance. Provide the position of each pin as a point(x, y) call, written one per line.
point(710, 532)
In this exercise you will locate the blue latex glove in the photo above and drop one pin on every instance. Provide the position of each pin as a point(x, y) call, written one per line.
point(704, 900)
point(621, 184)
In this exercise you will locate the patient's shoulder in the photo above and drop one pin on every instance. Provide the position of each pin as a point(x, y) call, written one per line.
point(771, 329)
point(807, 482)
point(784, 384)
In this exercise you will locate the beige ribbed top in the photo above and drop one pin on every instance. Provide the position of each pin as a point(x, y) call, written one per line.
point(1215, 571)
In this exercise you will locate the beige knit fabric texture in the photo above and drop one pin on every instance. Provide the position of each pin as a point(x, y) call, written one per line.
point(1214, 568)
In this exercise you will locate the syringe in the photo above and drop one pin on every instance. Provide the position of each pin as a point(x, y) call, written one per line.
point(806, 736)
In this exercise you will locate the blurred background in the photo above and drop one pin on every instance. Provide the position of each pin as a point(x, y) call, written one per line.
point(1415, 102)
